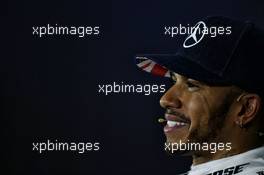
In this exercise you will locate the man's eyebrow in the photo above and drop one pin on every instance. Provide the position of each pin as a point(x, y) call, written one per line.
point(196, 81)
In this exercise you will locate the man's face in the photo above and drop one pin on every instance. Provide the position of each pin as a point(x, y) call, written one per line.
point(196, 112)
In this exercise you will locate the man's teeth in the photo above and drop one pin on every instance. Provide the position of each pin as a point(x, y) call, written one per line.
point(174, 123)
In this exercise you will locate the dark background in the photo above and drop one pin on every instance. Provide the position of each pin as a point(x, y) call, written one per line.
point(50, 85)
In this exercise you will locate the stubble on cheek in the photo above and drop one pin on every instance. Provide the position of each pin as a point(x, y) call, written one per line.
point(199, 113)
point(210, 119)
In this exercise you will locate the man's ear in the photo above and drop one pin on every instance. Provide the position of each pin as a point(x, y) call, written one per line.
point(250, 106)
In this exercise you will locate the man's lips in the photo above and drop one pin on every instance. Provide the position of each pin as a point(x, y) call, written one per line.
point(177, 117)
point(175, 121)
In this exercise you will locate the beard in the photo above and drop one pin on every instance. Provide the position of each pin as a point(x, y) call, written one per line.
point(204, 134)
point(211, 132)
point(216, 122)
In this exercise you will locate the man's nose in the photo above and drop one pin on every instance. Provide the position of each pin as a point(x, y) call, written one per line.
point(171, 98)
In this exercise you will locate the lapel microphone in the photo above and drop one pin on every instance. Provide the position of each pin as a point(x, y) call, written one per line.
point(162, 120)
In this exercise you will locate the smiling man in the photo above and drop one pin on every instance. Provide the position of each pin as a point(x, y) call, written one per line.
point(214, 109)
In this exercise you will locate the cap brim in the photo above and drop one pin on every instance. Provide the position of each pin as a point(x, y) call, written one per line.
point(161, 65)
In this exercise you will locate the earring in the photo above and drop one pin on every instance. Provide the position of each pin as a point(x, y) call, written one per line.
point(240, 123)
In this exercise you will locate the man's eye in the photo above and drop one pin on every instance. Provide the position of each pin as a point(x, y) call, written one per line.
point(174, 81)
point(192, 86)
point(173, 78)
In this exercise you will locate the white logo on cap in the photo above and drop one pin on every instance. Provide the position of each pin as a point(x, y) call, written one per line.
point(194, 38)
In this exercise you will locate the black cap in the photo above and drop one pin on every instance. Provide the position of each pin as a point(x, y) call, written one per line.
point(219, 51)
